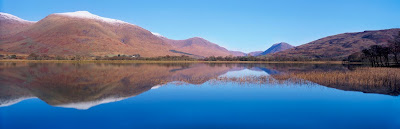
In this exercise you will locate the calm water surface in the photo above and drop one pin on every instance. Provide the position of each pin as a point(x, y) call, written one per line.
point(96, 95)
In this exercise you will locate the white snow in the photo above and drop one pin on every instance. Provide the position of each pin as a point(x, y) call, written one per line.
point(14, 18)
point(157, 34)
point(87, 105)
point(156, 87)
point(88, 15)
point(5, 103)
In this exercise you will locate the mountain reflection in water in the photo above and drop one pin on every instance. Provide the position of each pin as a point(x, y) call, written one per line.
point(82, 86)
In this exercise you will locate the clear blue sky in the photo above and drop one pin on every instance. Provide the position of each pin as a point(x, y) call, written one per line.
point(245, 25)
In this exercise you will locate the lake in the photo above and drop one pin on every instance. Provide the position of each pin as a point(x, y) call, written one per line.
point(186, 96)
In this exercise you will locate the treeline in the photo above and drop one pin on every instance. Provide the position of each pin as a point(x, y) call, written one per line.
point(160, 58)
point(34, 56)
point(378, 55)
point(9, 57)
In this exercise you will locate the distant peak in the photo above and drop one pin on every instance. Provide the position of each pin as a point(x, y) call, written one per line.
point(281, 43)
point(88, 15)
point(12, 17)
point(196, 38)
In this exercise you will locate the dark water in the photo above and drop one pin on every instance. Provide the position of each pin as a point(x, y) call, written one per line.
point(56, 96)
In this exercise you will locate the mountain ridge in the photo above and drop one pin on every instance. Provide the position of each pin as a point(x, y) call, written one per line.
point(83, 33)
point(199, 46)
point(277, 47)
point(340, 46)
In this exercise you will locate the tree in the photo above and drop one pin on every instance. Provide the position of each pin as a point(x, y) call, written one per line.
point(33, 56)
point(377, 55)
point(355, 57)
point(395, 48)
point(369, 55)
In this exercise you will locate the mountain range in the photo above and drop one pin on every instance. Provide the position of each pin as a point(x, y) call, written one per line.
point(83, 33)
point(198, 47)
point(10, 24)
point(340, 46)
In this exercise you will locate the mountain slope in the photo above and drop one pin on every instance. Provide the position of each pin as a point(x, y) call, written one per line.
point(82, 33)
point(341, 45)
point(237, 53)
point(255, 53)
point(198, 46)
point(10, 24)
point(277, 48)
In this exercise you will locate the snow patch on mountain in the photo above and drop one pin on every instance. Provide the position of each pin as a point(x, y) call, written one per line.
point(9, 102)
point(88, 15)
point(87, 105)
point(157, 34)
point(156, 87)
point(13, 18)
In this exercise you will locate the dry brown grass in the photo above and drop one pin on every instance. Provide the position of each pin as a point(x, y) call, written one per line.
point(368, 80)
point(360, 77)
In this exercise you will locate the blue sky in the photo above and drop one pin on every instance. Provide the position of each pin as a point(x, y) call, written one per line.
point(245, 25)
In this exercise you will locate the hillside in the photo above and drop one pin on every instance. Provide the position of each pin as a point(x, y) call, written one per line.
point(10, 25)
point(199, 46)
point(83, 33)
point(277, 48)
point(255, 53)
point(341, 45)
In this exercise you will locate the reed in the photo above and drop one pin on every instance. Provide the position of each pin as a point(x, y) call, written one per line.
point(367, 77)
point(367, 80)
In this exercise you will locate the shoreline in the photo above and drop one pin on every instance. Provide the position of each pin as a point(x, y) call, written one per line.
point(150, 61)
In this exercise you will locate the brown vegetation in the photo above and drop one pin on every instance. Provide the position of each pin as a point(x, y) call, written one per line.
point(201, 47)
point(366, 77)
point(338, 47)
point(68, 36)
point(378, 55)
point(369, 80)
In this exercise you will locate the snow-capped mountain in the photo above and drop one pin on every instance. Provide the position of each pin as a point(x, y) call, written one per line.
point(84, 33)
point(9, 17)
point(11, 25)
point(88, 15)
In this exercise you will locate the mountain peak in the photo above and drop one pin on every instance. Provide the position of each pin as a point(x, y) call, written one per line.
point(277, 47)
point(280, 43)
point(88, 15)
point(12, 17)
point(197, 38)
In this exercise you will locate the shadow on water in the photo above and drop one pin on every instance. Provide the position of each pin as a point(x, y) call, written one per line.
point(82, 86)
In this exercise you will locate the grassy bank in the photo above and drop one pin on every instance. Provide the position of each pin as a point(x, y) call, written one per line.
point(152, 61)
